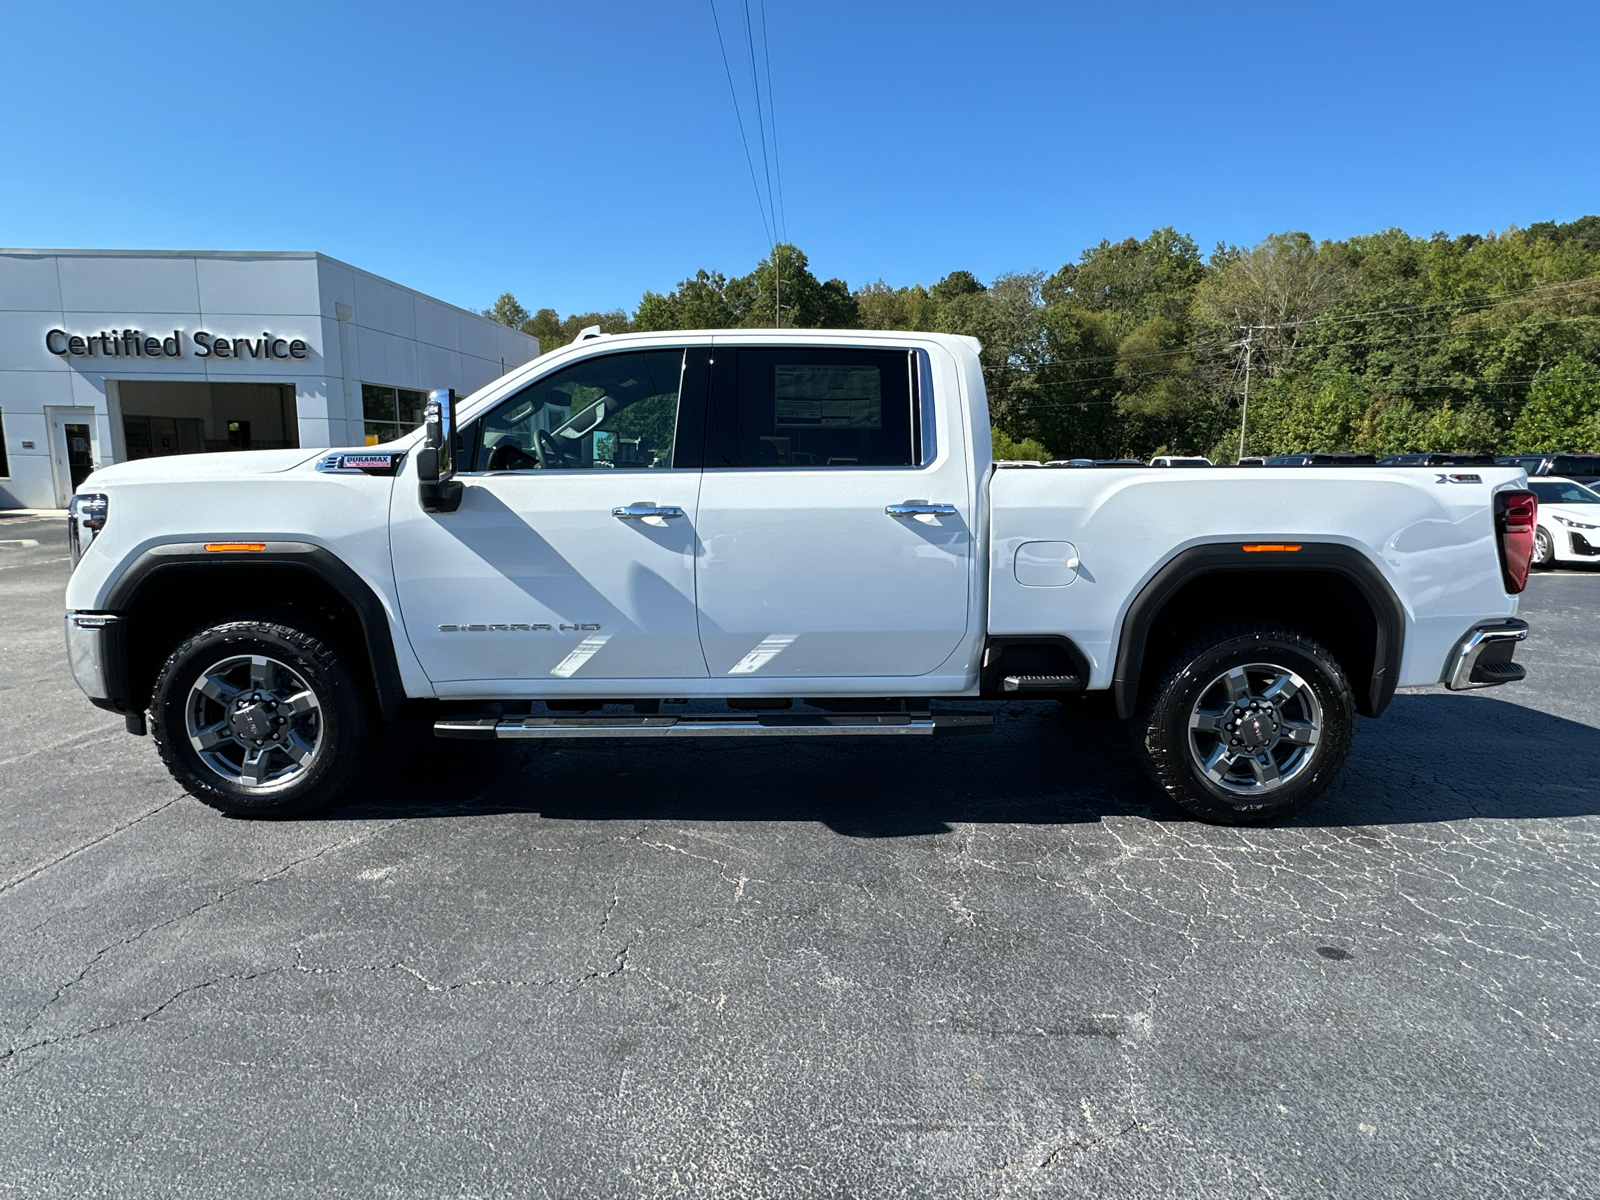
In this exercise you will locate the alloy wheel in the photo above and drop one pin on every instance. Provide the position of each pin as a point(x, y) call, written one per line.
point(1254, 728)
point(255, 721)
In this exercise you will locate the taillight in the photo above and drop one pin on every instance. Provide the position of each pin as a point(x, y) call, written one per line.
point(1516, 517)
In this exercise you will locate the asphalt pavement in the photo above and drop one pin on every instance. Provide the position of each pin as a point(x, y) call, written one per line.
point(979, 967)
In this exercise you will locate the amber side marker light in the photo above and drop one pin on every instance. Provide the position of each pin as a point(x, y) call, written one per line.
point(233, 547)
point(1258, 547)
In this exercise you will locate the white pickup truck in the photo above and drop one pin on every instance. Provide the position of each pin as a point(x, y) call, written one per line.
point(780, 534)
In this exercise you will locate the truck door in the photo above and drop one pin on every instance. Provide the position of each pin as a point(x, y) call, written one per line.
point(830, 548)
point(572, 555)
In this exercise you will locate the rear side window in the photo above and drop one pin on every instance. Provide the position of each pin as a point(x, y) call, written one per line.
point(820, 409)
point(1575, 464)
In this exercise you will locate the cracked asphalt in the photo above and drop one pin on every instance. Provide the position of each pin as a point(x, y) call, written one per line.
point(977, 968)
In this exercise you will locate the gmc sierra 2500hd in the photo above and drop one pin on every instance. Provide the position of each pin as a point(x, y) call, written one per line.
point(802, 534)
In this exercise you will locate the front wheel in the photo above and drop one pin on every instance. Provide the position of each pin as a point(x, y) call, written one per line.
point(258, 718)
point(1544, 549)
point(1247, 724)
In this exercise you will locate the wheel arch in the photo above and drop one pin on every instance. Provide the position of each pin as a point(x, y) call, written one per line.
point(170, 590)
point(1332, 592)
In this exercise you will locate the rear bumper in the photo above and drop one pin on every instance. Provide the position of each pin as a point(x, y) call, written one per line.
point(1482, 658)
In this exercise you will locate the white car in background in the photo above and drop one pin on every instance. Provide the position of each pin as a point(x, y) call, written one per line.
point(1569, 522)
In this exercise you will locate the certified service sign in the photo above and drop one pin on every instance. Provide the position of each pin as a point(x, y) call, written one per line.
point(135, 343)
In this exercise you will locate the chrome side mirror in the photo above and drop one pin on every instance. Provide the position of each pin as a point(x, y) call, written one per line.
point(436, 461)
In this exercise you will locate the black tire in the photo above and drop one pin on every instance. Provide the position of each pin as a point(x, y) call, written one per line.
point(310, 751)
point(1275, 759)
point(1544, 550)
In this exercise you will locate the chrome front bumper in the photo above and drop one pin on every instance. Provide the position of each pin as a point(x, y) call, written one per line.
point(86, 652)
point(1482, 658)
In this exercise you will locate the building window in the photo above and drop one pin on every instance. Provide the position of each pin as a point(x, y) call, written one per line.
point(5, 465)
point(390, 412)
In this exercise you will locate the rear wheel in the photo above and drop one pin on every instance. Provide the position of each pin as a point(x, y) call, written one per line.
point(258, 718)
point(1247, 724)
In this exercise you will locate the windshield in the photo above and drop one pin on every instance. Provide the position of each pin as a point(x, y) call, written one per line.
point(1563, 492)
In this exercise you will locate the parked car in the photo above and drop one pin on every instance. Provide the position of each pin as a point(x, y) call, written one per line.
point(1177, 460)
point(1251, 460)
point(1437, 460)
point(1322, 460)
point(1583, 468)
point(1095, 462)
point(1569, 522)
point(804, 532)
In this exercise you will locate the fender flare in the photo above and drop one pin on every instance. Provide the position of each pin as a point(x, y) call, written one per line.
point(1331, 557)
point(297, 556)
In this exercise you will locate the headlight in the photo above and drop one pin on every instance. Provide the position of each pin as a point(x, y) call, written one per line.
point(1570, 524)
point(86, 517)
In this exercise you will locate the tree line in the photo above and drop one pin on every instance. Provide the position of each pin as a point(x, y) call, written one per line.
point(1383, 343)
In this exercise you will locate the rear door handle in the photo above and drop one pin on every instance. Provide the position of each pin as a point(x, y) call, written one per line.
point(921, 510)
point(638, 512)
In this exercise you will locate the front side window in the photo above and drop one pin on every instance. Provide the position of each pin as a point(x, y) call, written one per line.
point(388, 412)
point(617, 412)
point(796, 407)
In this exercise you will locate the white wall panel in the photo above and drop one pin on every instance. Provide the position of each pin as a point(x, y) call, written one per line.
point(31, 484)
point(22, 341)
point(382, 306)
point(478, 336)
point(437, 367)
point(336, 283)
point(437, 324)
point(95, 283)
point(257, 286)
point(29, 282)
point(386, 358)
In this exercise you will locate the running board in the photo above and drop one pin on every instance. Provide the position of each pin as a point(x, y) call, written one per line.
point(716, 725)
point(1041, 683)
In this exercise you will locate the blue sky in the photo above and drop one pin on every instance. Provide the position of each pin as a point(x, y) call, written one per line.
point(579, 154)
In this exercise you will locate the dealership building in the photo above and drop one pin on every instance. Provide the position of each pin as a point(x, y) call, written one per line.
point(107, 355)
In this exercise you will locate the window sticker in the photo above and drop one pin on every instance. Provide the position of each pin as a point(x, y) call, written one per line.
point(826, 397)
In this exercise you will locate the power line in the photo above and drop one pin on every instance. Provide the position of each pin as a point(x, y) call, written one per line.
point(1488, 299)
point(761, 122)
point(772, 116)
point(738, 116)
point(1202, 347)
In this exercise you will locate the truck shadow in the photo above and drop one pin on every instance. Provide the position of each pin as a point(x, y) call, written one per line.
point(1432, 757)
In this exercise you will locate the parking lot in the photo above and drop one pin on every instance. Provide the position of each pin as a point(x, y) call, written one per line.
point(966, 968)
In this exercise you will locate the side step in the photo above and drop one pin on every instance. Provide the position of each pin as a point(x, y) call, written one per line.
point(1499, 672)
point(716, 725)
point(1041, 683)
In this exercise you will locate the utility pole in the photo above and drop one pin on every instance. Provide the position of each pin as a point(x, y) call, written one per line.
point(1244, 409)
point(1248, 344)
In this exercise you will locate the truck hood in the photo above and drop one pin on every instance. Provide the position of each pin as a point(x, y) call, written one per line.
point(182, 468)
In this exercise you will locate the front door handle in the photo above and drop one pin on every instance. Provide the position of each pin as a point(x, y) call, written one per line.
point(921, 510)
point(638, 512)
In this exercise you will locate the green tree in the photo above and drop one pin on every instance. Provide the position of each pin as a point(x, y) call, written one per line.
point(1563, 411)
point(782, 292)
point(879, 306)
point(507, 311)
point(1007, 449)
